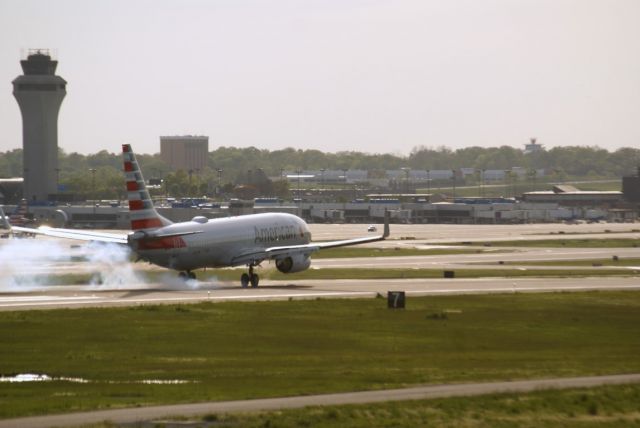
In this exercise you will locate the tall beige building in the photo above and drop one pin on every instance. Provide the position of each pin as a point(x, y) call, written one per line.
point(187, 152)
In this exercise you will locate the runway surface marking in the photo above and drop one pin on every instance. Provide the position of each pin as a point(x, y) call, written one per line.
point(42, 301)
point(139, 414)
point(30, 299)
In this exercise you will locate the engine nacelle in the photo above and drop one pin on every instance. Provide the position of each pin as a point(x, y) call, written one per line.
point(292, 264)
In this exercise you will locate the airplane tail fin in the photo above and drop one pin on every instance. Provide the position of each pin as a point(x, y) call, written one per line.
point(143, 214)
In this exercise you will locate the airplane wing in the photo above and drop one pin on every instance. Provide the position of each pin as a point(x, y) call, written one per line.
point(256, 256)
point(83, 235)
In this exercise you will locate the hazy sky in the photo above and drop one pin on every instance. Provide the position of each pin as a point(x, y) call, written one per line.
point(369, 75)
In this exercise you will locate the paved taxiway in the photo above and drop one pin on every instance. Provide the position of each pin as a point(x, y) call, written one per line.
point(490, 259)
point(155, 293)
point(153, 413)
point(449, 233)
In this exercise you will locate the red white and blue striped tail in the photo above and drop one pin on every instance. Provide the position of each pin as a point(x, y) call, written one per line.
point(143, 214)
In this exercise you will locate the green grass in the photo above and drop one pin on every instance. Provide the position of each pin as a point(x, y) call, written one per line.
point(349, 252)
point(621, 262)
point(358, 273)
point(554, 243)
point(263, 349)
point(610, 406)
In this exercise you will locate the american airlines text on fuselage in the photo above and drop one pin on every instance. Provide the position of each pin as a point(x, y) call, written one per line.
point(276, 233)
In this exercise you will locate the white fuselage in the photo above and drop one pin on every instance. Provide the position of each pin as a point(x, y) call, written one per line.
point(218, 241)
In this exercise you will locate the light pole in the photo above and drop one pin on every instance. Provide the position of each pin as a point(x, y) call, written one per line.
point(406, 178)
point(532, 175)
point(57, 181)
point(507, 177)
point(93, 181)
point(453, 178)
point(298, 172)
point(219, 180)
point(197, 192)
point(259, 183)
point(344, 176)
point(428, 182)
point(93, 186)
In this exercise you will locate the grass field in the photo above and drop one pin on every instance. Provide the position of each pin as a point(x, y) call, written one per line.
point(357, 273)
point(611, 406)
point(555, 243)
point(622, 261)
point(262, 349)
point(346, 252)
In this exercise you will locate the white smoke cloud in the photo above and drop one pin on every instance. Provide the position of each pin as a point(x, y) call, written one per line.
point(28, 264)
point(112, 266)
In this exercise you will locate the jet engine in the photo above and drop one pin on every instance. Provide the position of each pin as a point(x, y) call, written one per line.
point(292, 264)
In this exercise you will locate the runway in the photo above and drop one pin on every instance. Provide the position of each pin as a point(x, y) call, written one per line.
point(157, 293)
point(490, 258)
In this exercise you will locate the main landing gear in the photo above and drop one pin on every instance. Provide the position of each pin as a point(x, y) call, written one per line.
point(186, 275)
point(250, 277)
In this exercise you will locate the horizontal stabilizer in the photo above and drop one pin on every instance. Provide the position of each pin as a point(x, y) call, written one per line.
point(83, 235)
point(152, 236)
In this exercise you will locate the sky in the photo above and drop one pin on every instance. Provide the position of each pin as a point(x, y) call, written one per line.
point(376, 76)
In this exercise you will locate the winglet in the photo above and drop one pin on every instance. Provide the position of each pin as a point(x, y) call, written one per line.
point(386, 233)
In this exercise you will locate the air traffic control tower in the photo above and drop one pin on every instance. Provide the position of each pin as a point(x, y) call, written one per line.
point(39, 93)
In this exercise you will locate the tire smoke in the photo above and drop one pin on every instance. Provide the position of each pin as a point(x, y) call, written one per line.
point(28, 264)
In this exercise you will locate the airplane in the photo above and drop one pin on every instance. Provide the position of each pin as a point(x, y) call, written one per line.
point(224, 242)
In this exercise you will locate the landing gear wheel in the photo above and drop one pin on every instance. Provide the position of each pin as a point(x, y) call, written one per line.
point(191, 275)
point(255, 279)
point(244, 280)
point(182, 275)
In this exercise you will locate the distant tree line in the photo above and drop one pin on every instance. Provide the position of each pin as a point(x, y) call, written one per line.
point(247, 170)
